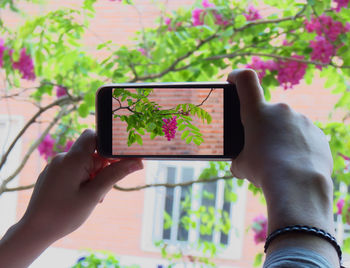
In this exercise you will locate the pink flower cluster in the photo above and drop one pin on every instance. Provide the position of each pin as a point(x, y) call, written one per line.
point(340, 205)
point(2, 50)
point(322, 50)
point(253, 14)
point(61, 91)
point(328, 31)
point(47, 147)
point(290, 72)
point(142, 50)
point(261, 66)
point(341, 4)
point(169, 127)
point(198, 14)
point(24, 64)
point(169, 22)
point(259, 228)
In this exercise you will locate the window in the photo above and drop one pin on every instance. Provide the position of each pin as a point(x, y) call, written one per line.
point(9, 127)
point(166, 209)
point(342, 230)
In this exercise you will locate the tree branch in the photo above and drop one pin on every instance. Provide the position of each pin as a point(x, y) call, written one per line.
point(259, 22)
point(58, 102)
point(206, 98)
point(173, 65)
point(170, 185)
point(31, 149)
point(19, 188)
point(233, 55)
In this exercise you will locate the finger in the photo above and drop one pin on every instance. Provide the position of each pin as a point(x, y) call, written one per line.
point(111, 174)
point(249, 90)
point(235, 170)
point(84, 146)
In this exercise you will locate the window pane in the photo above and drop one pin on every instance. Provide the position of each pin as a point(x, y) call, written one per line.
point(226, 211)
point(185, 204)
point(223, 236)
point(169, 203)
point(208, 200)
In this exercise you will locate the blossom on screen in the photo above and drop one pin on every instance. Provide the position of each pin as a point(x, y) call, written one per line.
point(169, 127)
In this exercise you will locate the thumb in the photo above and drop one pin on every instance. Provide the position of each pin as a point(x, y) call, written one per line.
point(111, 174)
point(249, 90)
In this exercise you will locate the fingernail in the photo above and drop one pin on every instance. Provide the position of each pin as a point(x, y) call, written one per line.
point(135, 165)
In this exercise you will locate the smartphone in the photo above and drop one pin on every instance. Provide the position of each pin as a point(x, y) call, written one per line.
point(193, 120)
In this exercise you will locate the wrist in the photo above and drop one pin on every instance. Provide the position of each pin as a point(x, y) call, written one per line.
point(299, 197)
point(22, 240)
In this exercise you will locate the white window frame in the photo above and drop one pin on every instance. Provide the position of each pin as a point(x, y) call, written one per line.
point(153, 211)
point(8, 200)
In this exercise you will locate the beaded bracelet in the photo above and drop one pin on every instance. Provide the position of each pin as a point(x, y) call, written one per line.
point(305, 229)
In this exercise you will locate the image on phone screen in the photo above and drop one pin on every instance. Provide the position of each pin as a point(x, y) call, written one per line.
point(168, 121)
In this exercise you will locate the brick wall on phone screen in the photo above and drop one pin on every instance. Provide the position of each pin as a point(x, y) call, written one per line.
point(116, 224)
point(170, 98)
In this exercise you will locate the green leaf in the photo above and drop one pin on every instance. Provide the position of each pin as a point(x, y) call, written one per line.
point(209, 118)
point(138, 139)
point(258, 260)
point(151, 126)
point(198, 140)
point(153, 135)
point(185, 134)
point(88, 4)
point(240, 20)
point(189, 139)
point(83, 110)
point(182, 127)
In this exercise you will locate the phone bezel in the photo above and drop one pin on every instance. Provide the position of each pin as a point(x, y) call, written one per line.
point(233, 128)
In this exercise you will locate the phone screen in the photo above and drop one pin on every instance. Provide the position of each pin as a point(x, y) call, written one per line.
point(168, 121)
point(190, 120)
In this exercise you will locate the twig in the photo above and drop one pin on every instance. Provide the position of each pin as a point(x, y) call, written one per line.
point(232, 55)
point(258, 22)
point(60, 101)
point(31, 149)
point(19, 188)
point(170, 185)
point(173, 65)
point(206, 98)
point(198, 105)
point(6, 96)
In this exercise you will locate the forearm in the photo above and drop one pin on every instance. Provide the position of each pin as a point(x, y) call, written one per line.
point(21, 245)
point(296, 202)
